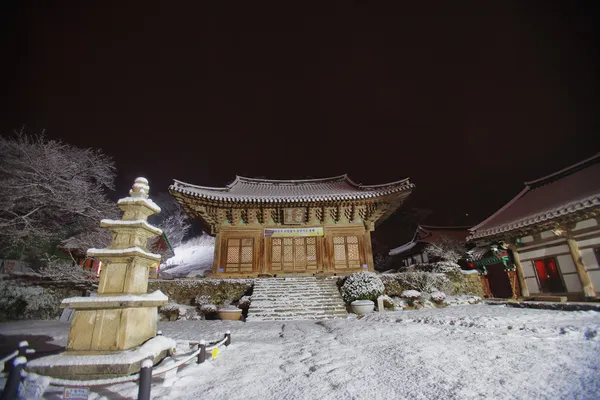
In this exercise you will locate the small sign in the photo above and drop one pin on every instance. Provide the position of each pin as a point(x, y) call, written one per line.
point(294, 232)
point(215, 352)
point(76, 393)
point(294, 216)
point(365, 266)
point(221, 269)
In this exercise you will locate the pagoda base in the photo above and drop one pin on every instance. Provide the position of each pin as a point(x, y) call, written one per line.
point(74, 365)
point(106, 324)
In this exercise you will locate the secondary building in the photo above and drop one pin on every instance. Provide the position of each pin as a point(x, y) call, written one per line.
point(291, 227)
point(413, 252)
point(545, 241)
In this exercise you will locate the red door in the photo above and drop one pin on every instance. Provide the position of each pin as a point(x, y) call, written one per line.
point(499, 281)
point(549, 276)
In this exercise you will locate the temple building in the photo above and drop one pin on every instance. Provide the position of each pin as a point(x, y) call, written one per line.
point(291, 227)
point(545, 242)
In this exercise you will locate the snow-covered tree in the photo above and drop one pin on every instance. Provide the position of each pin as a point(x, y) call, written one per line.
point(172, 219)
point(446, 249)
point(50, 191)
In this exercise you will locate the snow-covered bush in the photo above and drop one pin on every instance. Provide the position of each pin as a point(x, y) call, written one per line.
point(244, 302)
point(202, 300)
point(208, 309)
point(64, 270)
point(363, 285)
point(438, 297)
point(170, 312)
point(423, 281)
point(411, 296)
point(27, 302)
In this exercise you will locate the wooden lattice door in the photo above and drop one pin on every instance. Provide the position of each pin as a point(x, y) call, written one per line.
point(298, 254)
point(346, 252)
point(239, 255)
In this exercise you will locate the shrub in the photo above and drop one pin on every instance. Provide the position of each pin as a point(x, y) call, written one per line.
point(423, 281)
point(363, 285)
point(244, 302)
point(170, 312)
point(202, 300)
point(208, 309)
point(411, 296)
point(438, 297)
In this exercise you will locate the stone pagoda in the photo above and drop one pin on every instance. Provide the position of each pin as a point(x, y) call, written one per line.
point(123, 316)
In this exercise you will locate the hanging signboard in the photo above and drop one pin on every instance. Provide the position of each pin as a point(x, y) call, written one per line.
point(294, 232)
point(294, 216)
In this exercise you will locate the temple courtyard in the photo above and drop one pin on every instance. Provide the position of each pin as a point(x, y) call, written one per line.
point(458, 352)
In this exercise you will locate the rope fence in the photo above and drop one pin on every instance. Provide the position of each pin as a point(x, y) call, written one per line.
point(17, 363)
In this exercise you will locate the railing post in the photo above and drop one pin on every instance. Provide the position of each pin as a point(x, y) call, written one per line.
point(202, 354)
point(23, 346)
point(228, 337)
point(145, 380)
point(11, 389)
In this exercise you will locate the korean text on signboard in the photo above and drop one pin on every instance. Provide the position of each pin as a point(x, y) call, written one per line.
point(294, 232)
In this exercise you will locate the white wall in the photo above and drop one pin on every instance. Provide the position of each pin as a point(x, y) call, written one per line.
point(559, 249)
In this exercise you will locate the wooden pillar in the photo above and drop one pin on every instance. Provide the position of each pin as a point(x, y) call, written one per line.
point(519, 268)
point(485, 286)
point(369, 226)
point(514, 283)
point(217, 253)
point(584, 277)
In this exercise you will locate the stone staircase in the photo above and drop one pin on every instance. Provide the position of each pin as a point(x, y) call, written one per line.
point(295, 298)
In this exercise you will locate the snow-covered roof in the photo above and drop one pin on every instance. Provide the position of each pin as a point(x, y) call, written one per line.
point(432, 234)
point(560, 195)
point(251, 190)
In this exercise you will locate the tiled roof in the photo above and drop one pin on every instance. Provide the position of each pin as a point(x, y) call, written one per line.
point(561, 194)
point(427, 234)
point(250, 190)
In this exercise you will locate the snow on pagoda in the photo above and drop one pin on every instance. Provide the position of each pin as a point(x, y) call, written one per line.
point(291, 227)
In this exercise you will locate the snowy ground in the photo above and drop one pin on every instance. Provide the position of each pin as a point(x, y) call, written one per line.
point(462, 352)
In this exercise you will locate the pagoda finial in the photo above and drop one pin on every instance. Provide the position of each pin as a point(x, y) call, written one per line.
point(140, 188)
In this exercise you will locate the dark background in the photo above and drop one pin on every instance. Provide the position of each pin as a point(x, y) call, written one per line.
point(468, 100)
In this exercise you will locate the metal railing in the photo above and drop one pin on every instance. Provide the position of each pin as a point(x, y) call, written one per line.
point(17, 364)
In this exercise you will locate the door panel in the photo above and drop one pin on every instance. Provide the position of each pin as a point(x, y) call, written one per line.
point(298, 254)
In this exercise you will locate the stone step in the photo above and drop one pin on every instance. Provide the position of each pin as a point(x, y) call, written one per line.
point(296, 298)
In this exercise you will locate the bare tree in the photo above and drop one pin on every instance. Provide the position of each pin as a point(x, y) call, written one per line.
point(174, 222)
point(50, 191)
point(446, 249)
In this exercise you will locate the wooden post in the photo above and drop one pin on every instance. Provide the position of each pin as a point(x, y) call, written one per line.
point(368, 246)
point(584, 277)
point(519, 268)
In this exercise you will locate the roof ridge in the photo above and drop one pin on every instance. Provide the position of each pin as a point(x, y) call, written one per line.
point(565, 171)
point(510, 203)
point(191, 185)
point(239, 178)
point(446, 227)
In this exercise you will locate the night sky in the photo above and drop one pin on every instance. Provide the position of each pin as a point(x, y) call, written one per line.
point(468, 101)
